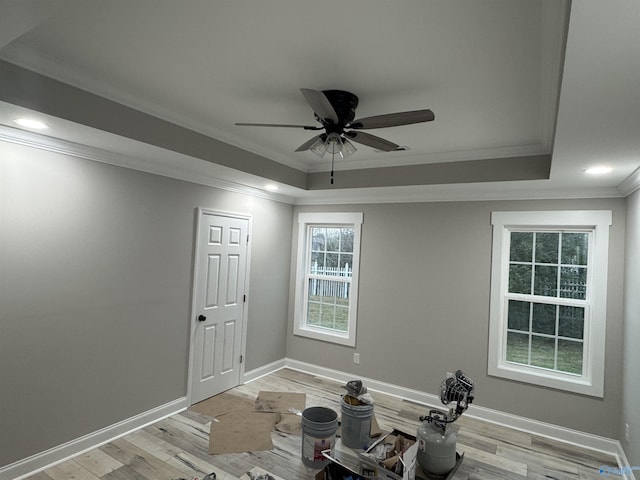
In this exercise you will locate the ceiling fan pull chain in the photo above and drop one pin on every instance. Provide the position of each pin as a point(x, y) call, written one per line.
point(332, 157)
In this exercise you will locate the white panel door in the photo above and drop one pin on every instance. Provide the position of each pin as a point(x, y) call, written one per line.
point(221, 261)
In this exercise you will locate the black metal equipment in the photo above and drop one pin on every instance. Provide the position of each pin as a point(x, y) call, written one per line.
point(437, 443)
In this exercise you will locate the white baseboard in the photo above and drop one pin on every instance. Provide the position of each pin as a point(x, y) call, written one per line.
point(28, 466)
point(547, 430)
point(259, 372)
point(623, 464)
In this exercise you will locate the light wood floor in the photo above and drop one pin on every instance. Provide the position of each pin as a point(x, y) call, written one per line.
point(176, 448)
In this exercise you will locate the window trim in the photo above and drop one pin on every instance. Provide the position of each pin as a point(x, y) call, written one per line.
point(592, 381)
point(300, 328)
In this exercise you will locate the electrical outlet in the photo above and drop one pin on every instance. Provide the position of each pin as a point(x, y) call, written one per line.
point(356, 358)
point(627, 432)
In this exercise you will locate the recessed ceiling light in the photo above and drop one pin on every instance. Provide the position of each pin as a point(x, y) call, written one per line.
point(31, 123)
point(271, 187)
point(598, 170)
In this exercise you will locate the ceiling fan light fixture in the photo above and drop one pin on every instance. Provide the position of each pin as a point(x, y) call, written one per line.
point(333, 144)
point(348, 148)
point(319, 147)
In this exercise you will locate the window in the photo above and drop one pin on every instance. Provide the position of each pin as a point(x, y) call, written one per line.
point(327, 276)
point(548, 298)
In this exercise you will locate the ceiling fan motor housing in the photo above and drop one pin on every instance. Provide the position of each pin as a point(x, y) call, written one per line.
point(345, 104)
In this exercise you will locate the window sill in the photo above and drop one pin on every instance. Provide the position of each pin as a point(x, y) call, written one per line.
point(549, 379)
point(325, 336)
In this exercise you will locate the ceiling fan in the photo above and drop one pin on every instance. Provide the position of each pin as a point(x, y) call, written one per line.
point(335, 110)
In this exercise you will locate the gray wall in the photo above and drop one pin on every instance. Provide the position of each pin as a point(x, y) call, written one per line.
point(95, 290)
point(96, 267)
point(424, 308)
point(631, 377)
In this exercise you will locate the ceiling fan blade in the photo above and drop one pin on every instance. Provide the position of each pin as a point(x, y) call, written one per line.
point(393, 119)
point(320, 104)
point(307, 145)
point(306, 127)
point(372, 141)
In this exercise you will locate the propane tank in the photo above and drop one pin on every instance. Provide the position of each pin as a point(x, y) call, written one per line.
point(436, 448)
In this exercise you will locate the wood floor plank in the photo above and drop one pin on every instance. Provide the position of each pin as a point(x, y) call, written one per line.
point(538, 462)
point(166, 432)
point(478, 442)
point(140, 461)
point(198, 468)
point(154, 445)
point(497, 461)
point(40, 476)
point(70, 470)
point(474, 470)
point(124, 473)
point(588, 473)
point(496, 433)
point(97, 462)
point(540, 472)
point(189, 426)
point(590, 459)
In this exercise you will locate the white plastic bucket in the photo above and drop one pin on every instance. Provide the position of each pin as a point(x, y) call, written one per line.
point(319, 426)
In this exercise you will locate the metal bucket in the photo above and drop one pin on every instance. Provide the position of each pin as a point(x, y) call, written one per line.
point(356, 425)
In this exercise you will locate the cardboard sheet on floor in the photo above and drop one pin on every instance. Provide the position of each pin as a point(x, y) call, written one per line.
point(244, 425)
point(290, 423)
point(280, 402)
point(223, 403)
point(242, 431)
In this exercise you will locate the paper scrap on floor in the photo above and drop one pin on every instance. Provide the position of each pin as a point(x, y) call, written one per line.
point(282, 402)
point(223, 403)
point(290, 406)
point(242, 431)
point(289, 423)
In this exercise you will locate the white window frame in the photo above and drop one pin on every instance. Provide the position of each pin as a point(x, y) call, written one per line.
point(591, 382)
point(332, 219)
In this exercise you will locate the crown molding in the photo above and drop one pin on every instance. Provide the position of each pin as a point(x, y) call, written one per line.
point(447, 193)
point(187, 171)
point(630, 184)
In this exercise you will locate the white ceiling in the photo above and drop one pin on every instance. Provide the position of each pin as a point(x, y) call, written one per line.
point(495, 73)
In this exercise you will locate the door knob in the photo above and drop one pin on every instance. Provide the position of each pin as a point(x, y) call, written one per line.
point(201, 318)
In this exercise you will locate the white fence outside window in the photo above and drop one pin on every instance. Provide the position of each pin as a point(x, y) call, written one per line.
point(338, 286)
